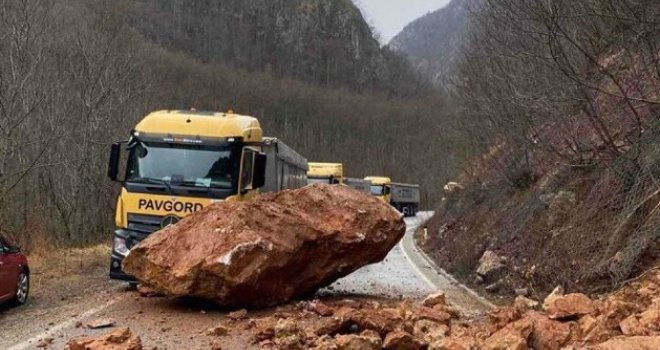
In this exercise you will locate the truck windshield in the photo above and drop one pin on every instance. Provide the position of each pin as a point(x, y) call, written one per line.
point(318, 180)
point(184, 165)
point(377, 190)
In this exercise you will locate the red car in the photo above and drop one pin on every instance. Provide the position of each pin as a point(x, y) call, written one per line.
point(14, 274)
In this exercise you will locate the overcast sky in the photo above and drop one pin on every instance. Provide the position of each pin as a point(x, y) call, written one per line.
point(390, 16)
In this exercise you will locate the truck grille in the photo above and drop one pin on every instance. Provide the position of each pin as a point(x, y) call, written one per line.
point(144, 224)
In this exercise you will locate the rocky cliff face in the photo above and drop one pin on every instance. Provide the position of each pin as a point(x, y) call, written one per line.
point(432, 41)
point(320, 41)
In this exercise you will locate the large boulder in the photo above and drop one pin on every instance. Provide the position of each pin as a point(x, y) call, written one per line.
point(269, 250)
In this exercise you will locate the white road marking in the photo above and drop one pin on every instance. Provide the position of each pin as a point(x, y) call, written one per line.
point(53, 330)
point(432, 265)
point(417, 269)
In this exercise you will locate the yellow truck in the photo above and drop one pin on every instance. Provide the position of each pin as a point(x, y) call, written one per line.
point(325, 173)
point(404, 197)
point(361, 185)
point(177, 162)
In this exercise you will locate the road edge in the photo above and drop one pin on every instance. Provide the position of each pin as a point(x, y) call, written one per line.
point(51, 332)
point(430, 271)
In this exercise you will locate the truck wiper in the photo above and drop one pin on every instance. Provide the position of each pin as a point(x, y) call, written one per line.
point(208, 191)
point(158, 182)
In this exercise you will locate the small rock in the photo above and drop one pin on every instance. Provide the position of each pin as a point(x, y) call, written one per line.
point(399, 340)
point(238, 315)
point(512, 337)
point(45, 342)
point(101, 323)
point(646, 323)
point(358, 342)
point(217, 331)
point(522, 303)
point(455, 343)
point(522, 292)
point(320, 308)
point(430, 331)
point(120, 339)
point(490, 265)
point(325, 343)
point(548, 334)
point(289, 335)
point(425, 313)
point(557, 292)
point(567, 306)
point(148, 292)
point(435, 299)
point(630, 343)
point(587, 324)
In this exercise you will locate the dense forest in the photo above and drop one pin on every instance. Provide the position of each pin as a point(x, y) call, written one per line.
point(77, 75)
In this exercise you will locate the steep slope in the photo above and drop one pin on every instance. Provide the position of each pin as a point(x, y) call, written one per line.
point(318, 41)
point(563, 116)
point(431, 42)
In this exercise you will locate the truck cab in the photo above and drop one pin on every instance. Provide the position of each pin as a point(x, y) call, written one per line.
point(325, 173)
point(403, 197)
point(361, 185)
point(178, 162)
point(380, 187)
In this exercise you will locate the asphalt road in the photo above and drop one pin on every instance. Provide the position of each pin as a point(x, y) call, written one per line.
point(174, 324)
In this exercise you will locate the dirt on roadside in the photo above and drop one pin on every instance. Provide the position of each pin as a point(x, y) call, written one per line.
point(62, 274)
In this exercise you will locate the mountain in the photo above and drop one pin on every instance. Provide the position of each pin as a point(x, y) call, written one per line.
point(327, 42)
point(432, 42)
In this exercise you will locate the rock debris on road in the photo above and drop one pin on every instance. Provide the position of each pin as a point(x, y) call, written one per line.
point(170, 323)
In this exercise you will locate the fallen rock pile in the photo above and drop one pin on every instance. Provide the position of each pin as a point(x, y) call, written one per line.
point(269, 250)
point(628, 319)
point(355, 325)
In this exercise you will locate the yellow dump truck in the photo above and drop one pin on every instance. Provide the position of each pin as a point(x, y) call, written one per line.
point(177, 162)
point(361, 185)
point(404, 197)
point(325, 173)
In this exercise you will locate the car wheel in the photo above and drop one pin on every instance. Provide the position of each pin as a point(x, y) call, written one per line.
point(22, 288)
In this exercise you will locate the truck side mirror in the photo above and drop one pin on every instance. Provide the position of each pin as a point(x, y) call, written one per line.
point(113, 163)
point(259, 177)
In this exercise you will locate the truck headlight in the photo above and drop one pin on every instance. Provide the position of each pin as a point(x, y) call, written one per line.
point(120, 246)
